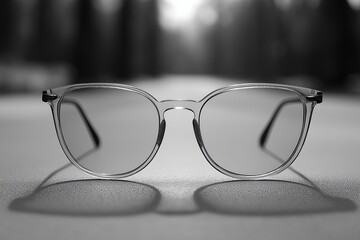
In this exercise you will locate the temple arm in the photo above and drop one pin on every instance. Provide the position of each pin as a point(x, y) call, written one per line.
point(265, 134)
point(266, 131)
point(86, 120)
point(95, 137)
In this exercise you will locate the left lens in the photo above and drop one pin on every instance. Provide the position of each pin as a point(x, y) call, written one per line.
point(125, 122)
point(252, 131)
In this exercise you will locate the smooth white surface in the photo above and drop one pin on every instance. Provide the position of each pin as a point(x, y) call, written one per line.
point(179, 195)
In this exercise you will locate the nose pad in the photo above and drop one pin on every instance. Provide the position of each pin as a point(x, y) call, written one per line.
point(161, 132)
point(197, 133)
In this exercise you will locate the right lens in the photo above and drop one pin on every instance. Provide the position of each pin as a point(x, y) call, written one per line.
point(252, 131)
point(108, 130)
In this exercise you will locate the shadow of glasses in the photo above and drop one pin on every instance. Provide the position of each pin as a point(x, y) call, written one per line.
point(88, 198)
point(268, 198)
point(123, 198)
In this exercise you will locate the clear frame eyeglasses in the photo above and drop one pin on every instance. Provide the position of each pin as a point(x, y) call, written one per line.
point(246, 131)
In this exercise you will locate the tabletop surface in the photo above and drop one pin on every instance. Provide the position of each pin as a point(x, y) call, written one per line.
point(178, 195)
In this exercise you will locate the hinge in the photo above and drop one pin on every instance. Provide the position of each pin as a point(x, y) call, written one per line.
point(318, 98)
point(48, 96)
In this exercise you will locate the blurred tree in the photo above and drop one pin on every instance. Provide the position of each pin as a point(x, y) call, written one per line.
point(334, 40)
point(6, 26)
point(55, 31)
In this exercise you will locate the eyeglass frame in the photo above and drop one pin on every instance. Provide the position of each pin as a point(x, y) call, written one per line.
point(55, 96)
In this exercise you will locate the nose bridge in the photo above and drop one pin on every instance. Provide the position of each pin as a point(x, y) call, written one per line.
point(190, 105)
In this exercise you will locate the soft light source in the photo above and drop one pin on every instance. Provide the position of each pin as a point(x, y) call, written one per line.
point(355, 4)
point(178, 13)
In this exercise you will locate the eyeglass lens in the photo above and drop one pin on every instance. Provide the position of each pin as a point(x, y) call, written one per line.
point(121, 131)
point(234, 130)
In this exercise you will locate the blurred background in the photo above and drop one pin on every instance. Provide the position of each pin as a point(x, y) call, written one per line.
point(48, 43)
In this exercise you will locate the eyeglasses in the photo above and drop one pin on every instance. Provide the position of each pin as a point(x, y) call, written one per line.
point(246, 131)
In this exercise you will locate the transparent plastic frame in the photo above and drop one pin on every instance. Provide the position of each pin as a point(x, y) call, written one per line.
point(308, 97)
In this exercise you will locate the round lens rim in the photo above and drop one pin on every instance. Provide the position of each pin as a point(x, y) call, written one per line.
point(57, 109)
point(297, 149)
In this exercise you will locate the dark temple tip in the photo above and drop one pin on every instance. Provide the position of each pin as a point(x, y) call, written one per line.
point(263, 137)
point(95, 137)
